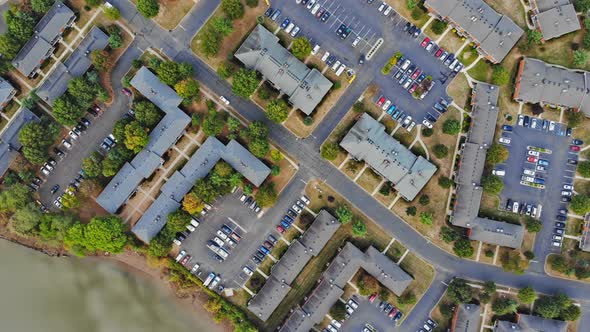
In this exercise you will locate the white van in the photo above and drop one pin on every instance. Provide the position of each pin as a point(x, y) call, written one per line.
point(407, 83)
point(290, 27)
point(340, 70)
point(387, 11)
point(336, 65)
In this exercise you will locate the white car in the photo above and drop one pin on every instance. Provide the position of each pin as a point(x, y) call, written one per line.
point(568, 187)
point(427, 124)
point(499, 172)
point(73, 135)
point(353, 304)
point(411, 126)
point(356, 41)
point(224, 100)
point(315, 8)
point(552, 126)
point(290, 27)
point(247, 271)
point(66, 143)
point(527, 178)
point(315, 50)
point(194, 223)
point(243, 197)
point(218, 241)
point(504, 140)
point(222, 235)
point(336, 65)
point(310, 4)
point(190, 228)
point(349, 310)
point(407, 121)
point(386, 105)
point(520, 120)
point(326, 56)
point(295, 31)
point(566, 193)
point(380, 9)
point(296, 208)
point(195, 268)
point(336, 324)
point(180, 255)
point(332, 328)
point(529, 172)
point(515, 207)
point(534, 153)
point(45, 171)
point(387, 11)
point(305, 200)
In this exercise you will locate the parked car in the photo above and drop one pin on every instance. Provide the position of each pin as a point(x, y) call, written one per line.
point(127, 92)
point(507, 127)
point(574, 148)
point(224, 100)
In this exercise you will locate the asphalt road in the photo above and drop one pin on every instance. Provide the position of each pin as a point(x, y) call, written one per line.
point(312, 166)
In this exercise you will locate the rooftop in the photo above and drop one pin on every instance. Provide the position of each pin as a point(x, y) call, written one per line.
point(305, 87)
point(485, 112)
point(154, 218)
point(529, 323)
point(466, 318)
point(555, 17)
point(496, 232)
point(268, 298)
point(368, 141)
point(7, 91)
point(9, 143)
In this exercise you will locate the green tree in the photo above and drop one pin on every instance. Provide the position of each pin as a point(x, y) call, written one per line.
point(504, 306)
point(245, 82)
point(533, 225)
point(14, 197)
point(445, 182)
point(136, 136)
point(115, 38)
point(580, 204)
point(36, 138)
point(411, 4)
point(66, 111)
point(111, 12)
point(187, 88)
point(424, 200)
point(119, 129)
point(459, 291)
point(463, 248)
point(574, 119)
point(225, 70)
point(440, 151)
point(344, 214)
point(233, 125)
point(70, 201)
point(527, 295)
point(338, 311)
point(148, 8)
point(9, 47)
point(275, 170)
point(259, 147)
point(41, 6)
point(25, 220)
point(534, 36)
point(161, 245)
point(301, 48)
point(233, 9)
point(580, 57)
point(20, 24)
point(266, 195)
point(548, 307)
point(277, 110)
point(489, 287)
point(451, 127)
point(407, 298)
point(426, 218)
point(330, 151)
point(92, 166)
point(115, 159)
point(101, 233)
point(252, 3)
point(213, 123)
point(497, 154)
point(210, 41)
point(438, 27)
point(359, 228)
point(83, 91)
point(492, 184)
point(54, 226)
point(448, 234)
point(146, 113)
point(177, 221)
point(100, 60)
point(411, 210)
point(169, 72)
point(427, 132)
point(222, 25)
point(571, 313)
point(582, 5)
point(512, 262)
point(500, 76)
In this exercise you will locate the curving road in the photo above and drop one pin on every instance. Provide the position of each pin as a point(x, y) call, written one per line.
point(176, 44)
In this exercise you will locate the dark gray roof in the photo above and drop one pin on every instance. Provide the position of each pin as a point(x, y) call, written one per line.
point(585, 238)
point(496, 34)
point(291, 263)
point(496, 232)
point(157, 92)
point(7, 91)
point(466, 204)
point(320, 232)
point(320, 301)
point(47, 31)
point(167, 132)
point(555, 17)
point(297, 321)
point(540, 82)
point(305, 87)
point(473, 158)
point(154, 218)
point(75, 65)
point(484, 113)
point(9, 143)
point(120, 188)
point(245, 162)
point(467, 318)
point(368, 141)
point(529, 323)
point(268, 298)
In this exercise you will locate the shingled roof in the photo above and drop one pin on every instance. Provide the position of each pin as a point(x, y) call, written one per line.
point(466, 318)
point(262, 52)
point(9, 143)
point(496, 232)
point(529, 323)
point(368, 141)
point(554, 17)
point(7, 91)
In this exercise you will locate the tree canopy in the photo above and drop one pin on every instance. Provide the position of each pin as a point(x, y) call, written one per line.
point(222, 25)
point(459, 291)
point(492, 184)
point(147, 114)
point(266, 195)
point(344, 214)
point(245, 82)
point(101, 233)
point(41, 6)
point(497, 153)
point(136, 136)
point(330, 151)
point(233, 9)
point(213, 123)
point(301, 48)
point(36, 138)
point(359, 228)
point(580, 204)
point(441, 151)
point(277, 110)
point(500, 76)
point(451, 127)
point(527, 295)
point(92, 166)
point(148, 8)
point(25, 219)
point(463, 248)
point(187, 88)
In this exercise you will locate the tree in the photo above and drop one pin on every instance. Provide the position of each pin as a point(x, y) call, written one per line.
point(233, 9)
point(177, 221)
point(119, 129)
point(330, 151)
point(338, 311)
point(14, 197)
point(276, 156)
point(427, 132)
point(259, 147)
point(54, 226)
point(187, 88)
point(147, 114)
point(359, 228)
point(225, 70)
point(111, 12)
point(451, 127)
point(500, 76)
point(344, 214)
point(275, 170)
point(492, 184)
point(463, 248)
point(448, 234)
point(424, 200)
point(161, 245)
point(301, 48)
point(41, 6)
point(148, 8)
point(426, 218)
point(407, 298)
point(20, 24)
point(441, 151)
point(533, 225)
point(245, 82)
point(504, 306)
point(571, 313)
point(115, 159)
point(66, 111)
point(92, 166)
point(70, 201)
point(527, 295)
point(210, 41)
point(584, 168)
point(9, 47)
point(168, 72)
point(580, 204)
point(100, 60)
point(83, 91)
point(533, 37)
point(36, 139)
point(548, 307)
point(115, 38)
point(25, 219)
point(252, 3)
point(497, 154)
point(512, 262)
point(445, 182)
point(438, 26)
point(266, 195)
point(459, 291)
point(136, 136)
point(367, 284)
point(277, 110)
point(489, 287)
point(213, 123)
point(411, 4)
point(411, 210)
point(580, 57)
point(222, 25)
point(101, 233)
point(582, 5)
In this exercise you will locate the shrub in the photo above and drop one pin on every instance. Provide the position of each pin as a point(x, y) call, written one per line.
point(580, 204)
point(463, 248)
point(426, 218)
point(427, 132)
point(148, 8)
point(497, 154)
point(424, 200)
point(359, 228)
point(411, 210)
point(445, 182)
point(441, 151)
point(301, 48)
point(448, 234)
point(451, 127)
point(438, 27)
point(330, 151)
point(500, 76)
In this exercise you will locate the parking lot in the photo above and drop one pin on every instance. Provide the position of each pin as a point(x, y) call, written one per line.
point(372, 26)
point(367, 313)
point(536, 172)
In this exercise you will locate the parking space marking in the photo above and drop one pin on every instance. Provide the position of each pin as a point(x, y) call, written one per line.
point(237, 224)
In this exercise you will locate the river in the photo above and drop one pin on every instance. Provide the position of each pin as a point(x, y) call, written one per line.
point(42, 293)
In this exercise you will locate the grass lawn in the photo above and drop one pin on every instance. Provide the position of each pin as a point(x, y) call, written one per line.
point(460, 91)
point(83, 14)
point(172, 12)
point(405, 137)
point(487, 248)
point(468, 55)
point(396, 251)
point(266, 265)
point(573, 255)
point(481, 71)
point(369, 180)
point(352, 168)
point(452, 42)
point(574, 226)
point(402, 8)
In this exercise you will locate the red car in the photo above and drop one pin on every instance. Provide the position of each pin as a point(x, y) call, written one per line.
point(425, 42)
point(372, 297)
point(380, 101)
point(392, 312)
point(531, 159)
point(280, 229)
point(416, 73)
point(127, 92)
point(439, 52)
point(574, 148)
point(413, 88)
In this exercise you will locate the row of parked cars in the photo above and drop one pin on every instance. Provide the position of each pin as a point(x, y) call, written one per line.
point(224, 240)
point(559, 230)
point(411, 78)
point(191, 227)
point(448, 60)
point(428, 326)
point(396, 113)
point(250, 202)
point(439, 108)
point(185, 259)
point(292, 213)
point(529, 209)
point(542, 124)
point(264, 250)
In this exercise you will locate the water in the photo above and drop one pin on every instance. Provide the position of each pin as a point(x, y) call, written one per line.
point(41, 293)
